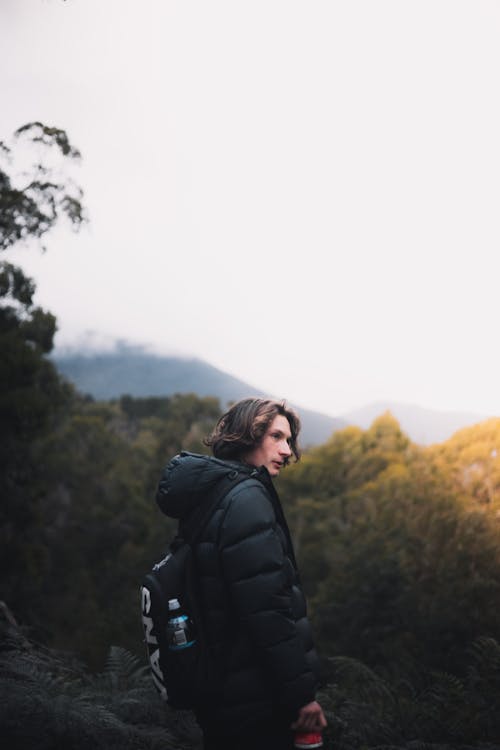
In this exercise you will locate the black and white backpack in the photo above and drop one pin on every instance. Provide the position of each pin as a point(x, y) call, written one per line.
point(183, 676)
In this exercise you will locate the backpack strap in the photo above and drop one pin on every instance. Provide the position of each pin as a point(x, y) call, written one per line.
point(191, 528)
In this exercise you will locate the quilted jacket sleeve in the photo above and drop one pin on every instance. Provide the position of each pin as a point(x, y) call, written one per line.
point(260, 577)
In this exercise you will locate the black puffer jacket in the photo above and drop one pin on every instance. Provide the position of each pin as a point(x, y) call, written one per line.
point(255, 610)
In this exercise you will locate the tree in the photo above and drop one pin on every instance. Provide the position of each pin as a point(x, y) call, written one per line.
point(32, 201)
point(398, 545)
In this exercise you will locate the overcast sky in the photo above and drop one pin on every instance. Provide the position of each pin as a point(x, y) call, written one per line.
point(304, 194)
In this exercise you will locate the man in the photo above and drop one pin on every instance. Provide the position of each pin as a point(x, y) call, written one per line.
point(254, 609)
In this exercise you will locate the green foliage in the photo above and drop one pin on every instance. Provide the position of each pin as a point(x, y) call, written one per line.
point(32, 201)
point(401, 564)
point(94, 528)
point(30, 387)
point(47, 700)
point(471, 462)
point(33, 396)
point(446, 713)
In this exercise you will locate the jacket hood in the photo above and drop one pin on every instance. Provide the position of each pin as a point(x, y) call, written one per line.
point(190, 477)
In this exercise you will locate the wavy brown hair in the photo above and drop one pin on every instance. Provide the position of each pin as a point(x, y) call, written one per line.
point(244, 425)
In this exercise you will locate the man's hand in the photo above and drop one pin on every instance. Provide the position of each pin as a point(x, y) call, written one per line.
point(311, 718)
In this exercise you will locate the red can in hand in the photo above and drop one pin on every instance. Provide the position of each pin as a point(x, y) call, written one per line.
point(307, 740)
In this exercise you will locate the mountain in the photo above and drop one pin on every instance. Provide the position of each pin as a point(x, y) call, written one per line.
point(133, 371)
point(424, 426)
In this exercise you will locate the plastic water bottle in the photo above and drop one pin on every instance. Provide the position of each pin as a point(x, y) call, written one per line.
point(179, 627)
point(307, 740)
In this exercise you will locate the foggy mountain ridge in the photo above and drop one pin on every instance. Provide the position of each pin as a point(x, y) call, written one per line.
point(133, 370)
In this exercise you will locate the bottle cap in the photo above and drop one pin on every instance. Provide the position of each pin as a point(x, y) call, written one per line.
point(173, 604)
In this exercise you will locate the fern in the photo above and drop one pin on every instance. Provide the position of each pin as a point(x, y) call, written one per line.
point(360, 707)
point(361, 682)
point(45, 703)
point(48, 700)
point(124, 668)
point(485, 657)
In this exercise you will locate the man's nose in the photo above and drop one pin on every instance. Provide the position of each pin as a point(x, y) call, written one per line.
point(285, 449)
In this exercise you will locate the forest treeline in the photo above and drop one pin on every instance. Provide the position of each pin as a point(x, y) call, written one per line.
point(398, 548)
point(398, 545)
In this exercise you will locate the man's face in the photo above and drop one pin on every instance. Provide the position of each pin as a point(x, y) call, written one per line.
point(274, 448)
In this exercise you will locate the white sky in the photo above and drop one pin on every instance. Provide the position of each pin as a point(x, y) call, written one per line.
point(305, 194)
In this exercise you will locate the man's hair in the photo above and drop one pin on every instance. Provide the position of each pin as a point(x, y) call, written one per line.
point(244, 425)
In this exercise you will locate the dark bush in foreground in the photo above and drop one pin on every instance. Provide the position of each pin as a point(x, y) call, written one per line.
point(49, 700)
